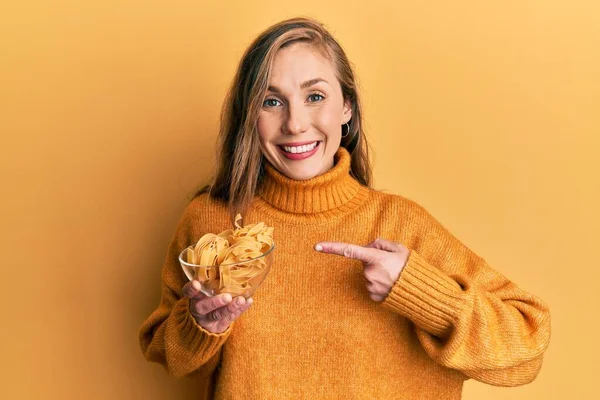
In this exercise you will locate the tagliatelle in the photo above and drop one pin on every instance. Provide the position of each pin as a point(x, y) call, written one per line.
point(231, 261)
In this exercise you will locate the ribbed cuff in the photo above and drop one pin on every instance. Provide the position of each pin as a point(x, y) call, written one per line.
point(426, 296)
point(190, 344)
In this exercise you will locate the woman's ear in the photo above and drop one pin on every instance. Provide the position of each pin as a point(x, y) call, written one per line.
point(347, 111)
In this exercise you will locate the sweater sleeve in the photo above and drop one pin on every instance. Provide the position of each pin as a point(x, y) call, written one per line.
point(170, 335)
point(469, 317)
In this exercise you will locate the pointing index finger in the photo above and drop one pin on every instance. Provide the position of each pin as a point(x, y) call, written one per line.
point(346, 250)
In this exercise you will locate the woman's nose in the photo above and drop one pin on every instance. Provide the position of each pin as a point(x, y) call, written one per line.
point(297, 120)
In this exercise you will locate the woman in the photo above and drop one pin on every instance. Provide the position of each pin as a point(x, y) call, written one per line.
point(410, 316)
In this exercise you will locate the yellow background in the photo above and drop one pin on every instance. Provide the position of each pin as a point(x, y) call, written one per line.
point(486, 113)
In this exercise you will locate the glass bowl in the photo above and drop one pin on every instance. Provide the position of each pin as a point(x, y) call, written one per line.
point(238, 279)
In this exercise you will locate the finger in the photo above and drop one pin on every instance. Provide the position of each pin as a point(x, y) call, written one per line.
point(383, 244)
point(371, 288)
point(226, 314)
point(236, 304)
point(348, 250)
point(372, 244)
point(192, 289)
point(206, 306)
point(238, 311)
point(217, 315)
point(246, 306)
point(376, 297)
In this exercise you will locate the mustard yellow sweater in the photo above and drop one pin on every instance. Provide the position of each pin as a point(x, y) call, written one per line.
point(313, 332)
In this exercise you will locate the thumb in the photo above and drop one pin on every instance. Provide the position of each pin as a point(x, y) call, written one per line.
point(383, 244)
point(348, 250)
point(192, 289)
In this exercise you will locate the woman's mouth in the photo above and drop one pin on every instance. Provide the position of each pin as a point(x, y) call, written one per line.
point(299, 151)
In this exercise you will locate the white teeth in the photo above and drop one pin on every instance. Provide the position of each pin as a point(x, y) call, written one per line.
point(300, 149)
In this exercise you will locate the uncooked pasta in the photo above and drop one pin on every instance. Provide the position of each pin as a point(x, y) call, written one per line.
point(231, 261)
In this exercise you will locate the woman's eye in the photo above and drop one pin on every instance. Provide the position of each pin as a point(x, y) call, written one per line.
point(270, 103)
point(315, 97)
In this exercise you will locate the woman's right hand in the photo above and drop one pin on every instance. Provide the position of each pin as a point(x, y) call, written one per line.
point(214, 314)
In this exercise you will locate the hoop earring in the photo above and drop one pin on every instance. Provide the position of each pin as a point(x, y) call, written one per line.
point(347, 130)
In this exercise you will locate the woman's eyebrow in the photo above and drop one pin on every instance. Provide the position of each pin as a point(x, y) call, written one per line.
point(311, 82)
point(304, 85)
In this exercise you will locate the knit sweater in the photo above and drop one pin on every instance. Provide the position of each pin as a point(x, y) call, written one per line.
point(314, 333)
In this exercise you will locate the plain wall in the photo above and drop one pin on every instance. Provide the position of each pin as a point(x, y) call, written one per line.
point(485, 113)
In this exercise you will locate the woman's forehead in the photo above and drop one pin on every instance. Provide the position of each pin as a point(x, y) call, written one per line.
point(298, 63)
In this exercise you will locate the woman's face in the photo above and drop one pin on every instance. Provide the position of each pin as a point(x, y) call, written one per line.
point(300, 124)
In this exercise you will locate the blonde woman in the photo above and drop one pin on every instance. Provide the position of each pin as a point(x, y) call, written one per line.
point(369, 297)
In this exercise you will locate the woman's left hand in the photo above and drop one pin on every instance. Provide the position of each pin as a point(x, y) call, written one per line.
point(382, 261)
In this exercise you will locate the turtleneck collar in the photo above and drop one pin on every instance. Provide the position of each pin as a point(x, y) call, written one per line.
point(334, 190)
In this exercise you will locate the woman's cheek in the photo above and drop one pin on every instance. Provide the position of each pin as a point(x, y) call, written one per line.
point(265, 125)
point(328, 123)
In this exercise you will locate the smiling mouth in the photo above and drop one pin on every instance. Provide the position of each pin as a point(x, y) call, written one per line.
point(305, 148)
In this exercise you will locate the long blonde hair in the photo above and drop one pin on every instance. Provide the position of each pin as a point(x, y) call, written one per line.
point(240, 169)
